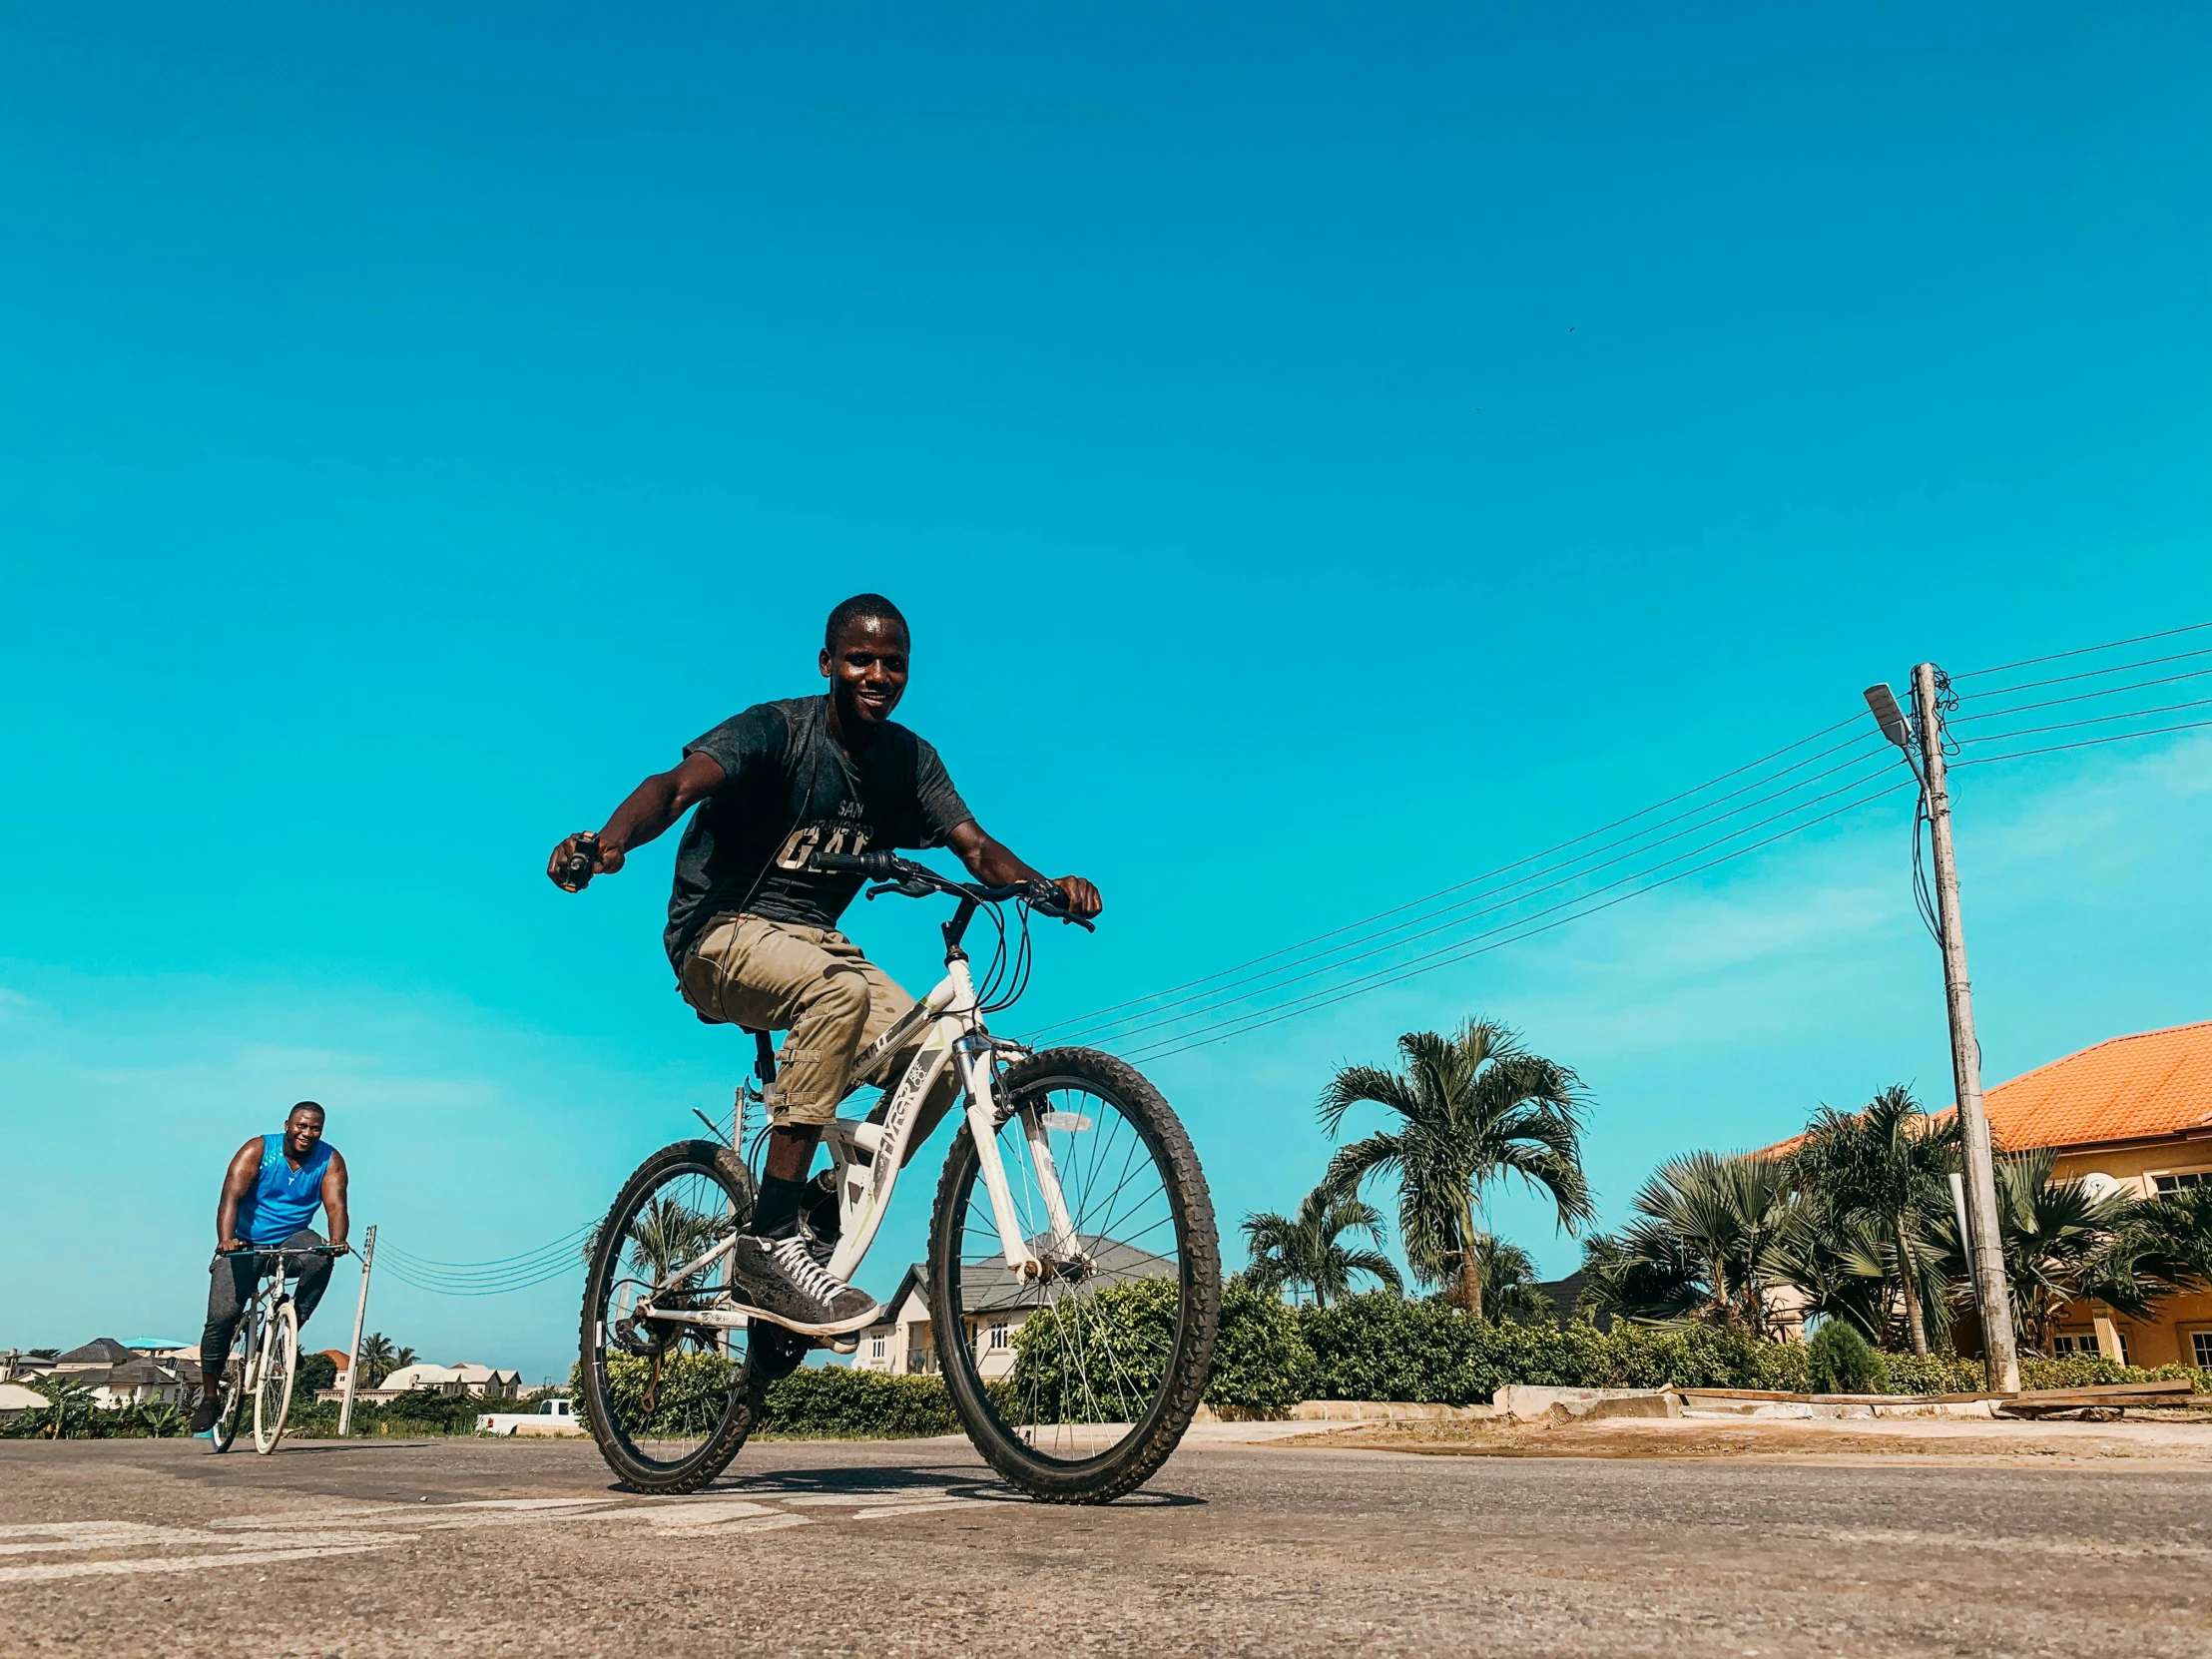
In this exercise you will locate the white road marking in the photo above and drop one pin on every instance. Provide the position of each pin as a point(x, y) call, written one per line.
point(923, 1508)
point(259, 1539)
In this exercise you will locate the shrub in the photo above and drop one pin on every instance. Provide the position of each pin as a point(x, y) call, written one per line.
point(1377, 1347)
point(1842, 1361)
point(1262, 1363)
point(1933, 1373)
point(838, 1403)
point(315, 1371)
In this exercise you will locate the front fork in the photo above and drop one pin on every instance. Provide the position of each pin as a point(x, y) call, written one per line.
point(982, 1117)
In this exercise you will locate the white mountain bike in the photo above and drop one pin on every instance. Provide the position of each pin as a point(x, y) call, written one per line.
point(265, 1352)
point(1073, 1279)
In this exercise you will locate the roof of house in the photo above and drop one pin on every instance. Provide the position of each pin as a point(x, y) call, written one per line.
point(2137, 1088)
point(992, 1286)
point(101, 1351)
point(2124, 1089)
point(14, 1396)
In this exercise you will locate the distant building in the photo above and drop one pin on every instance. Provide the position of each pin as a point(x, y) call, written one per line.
point(902, 1344)
point(467, 1377)
point(119, 1375)
point(2133, 1115)
point(15, 1400)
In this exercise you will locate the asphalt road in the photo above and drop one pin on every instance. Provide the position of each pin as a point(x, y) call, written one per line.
point(464, 1548)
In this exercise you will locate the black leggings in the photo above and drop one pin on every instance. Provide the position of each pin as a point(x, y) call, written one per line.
point(231, 1282)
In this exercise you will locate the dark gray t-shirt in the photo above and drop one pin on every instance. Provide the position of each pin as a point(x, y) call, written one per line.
point(789, 791)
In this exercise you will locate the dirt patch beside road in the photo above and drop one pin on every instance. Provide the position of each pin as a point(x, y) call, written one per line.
point(2040, 1444)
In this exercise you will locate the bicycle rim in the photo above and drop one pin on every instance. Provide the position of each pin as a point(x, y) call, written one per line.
point(666, 1402)
point(1077, 1388)
point(232, 1388)
point(272, 1385)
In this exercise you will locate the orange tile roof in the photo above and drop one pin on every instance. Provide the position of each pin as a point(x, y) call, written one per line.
point(2123, 1089)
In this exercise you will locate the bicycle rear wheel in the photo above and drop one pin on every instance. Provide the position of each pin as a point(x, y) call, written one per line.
point(273, 1385)
point(671, 1403)
point(231, 1389)
point(1076, 1387)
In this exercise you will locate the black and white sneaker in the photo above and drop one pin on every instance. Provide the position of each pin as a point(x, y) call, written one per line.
point(780, 1280)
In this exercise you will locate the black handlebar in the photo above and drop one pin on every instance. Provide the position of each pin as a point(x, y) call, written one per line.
point(281, 1250)
point(911, 881)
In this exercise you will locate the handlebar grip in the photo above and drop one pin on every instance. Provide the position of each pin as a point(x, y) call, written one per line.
point(578, 870)
point(876, 866)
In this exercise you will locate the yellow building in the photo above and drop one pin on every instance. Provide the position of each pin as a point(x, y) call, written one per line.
point(2133, 1113)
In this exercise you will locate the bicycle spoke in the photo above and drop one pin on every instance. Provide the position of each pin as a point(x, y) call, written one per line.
point(1099, 1331)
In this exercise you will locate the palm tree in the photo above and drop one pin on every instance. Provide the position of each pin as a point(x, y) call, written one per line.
point(1891, 1164)
point(2171, 1238)
point(1706, 1245)
point(2063, 1244)
point(403, 1359)
point(1308, 1249)
point(1473, 1108)
point(667, 1234)
point(1511, 1291)
point(378, 1358)
point(1840, 1263)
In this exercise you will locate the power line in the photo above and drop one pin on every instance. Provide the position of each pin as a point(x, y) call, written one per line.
point(1173, 1046)
point(2086, 743)
point(1084, 1020)
point(2083, 697)
point(2093, 720)
point(2080, 650)
point(1140, 1025)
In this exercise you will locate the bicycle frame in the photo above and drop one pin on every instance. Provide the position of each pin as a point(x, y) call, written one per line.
point(867, 1156)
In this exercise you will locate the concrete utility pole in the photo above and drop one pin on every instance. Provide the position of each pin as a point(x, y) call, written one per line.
point(1984, 1239)
point(354, 1354)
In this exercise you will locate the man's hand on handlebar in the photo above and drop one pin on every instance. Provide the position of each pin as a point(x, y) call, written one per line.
point(228, 1247)
point(1080, 897)
point(578, 859)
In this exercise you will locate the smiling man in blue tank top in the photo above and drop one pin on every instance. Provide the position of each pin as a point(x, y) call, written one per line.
point(271, 1192)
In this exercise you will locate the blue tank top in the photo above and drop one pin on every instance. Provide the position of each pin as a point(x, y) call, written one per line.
point(282, 1200)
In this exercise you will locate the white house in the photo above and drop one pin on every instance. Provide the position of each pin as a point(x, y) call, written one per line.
point(467, 1377)
point(902, 1343)
point(15, 1400)
point(119, 1375)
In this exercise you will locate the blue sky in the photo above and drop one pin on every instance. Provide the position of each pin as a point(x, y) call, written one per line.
point(1324, 456)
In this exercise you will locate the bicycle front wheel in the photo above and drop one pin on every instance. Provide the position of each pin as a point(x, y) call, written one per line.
point(1076, 1387)
point(273, 1387)
point(670, 1402)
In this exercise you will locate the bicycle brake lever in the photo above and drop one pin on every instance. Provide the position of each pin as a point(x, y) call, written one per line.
point(906, 890)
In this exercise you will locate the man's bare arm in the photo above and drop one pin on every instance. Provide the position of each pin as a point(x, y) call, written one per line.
point(994, 862)
point(652, 807)
point(245, 1164)
point(333, 1198)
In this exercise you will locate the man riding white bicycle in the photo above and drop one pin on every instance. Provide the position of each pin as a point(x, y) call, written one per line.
point(751, 923)
point(271, 1192)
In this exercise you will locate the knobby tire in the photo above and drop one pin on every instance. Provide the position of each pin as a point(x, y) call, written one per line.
point(1137, 1457)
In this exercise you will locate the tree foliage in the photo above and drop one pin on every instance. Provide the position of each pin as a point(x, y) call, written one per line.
point(1472, 1109)
point(1880, 1176)
point(1705, 1245)
point(1307, 1250)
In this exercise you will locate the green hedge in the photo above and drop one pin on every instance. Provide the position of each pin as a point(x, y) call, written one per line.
point(1378, 1347)
point(839, 1402)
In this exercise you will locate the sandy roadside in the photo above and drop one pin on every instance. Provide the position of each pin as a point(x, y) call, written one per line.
point(2150, 1444)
